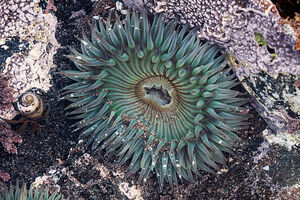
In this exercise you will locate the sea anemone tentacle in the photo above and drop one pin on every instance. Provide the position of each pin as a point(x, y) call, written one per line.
point(156, 96)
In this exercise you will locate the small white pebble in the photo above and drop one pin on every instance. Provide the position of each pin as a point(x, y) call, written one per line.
point(119, 5)
point(5, 47)
point(266, 168)
point(52, 171)
point(30, 17)
point(123, 12)
point(2, 41)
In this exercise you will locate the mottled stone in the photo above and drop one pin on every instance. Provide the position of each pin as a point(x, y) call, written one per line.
point(276, 99)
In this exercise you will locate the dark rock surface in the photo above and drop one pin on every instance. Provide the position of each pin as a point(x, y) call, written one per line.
point(14, 45)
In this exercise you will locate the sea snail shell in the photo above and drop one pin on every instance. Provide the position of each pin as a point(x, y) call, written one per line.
point(30, 105)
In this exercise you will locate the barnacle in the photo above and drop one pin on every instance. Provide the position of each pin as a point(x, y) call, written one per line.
point(22, 193)
point(156, 96)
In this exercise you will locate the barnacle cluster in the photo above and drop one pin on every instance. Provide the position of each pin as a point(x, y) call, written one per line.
point(22, 193)
point(155, 95)
point(15, 17)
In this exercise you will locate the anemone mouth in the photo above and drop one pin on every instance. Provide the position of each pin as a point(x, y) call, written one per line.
point(156, 96)
point(156, 102)
point(157, 92)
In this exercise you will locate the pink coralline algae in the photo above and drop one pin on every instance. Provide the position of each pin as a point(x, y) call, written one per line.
point(6, 96)
point(8, 138)
point(4, 176)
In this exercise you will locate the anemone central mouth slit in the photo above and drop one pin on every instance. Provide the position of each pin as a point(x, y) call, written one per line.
point(158, 94)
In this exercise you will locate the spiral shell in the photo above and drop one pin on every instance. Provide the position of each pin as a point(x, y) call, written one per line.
point(30, 105)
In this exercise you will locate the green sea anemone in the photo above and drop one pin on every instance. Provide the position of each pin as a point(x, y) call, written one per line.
point(156, 96)
point(22, 193)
